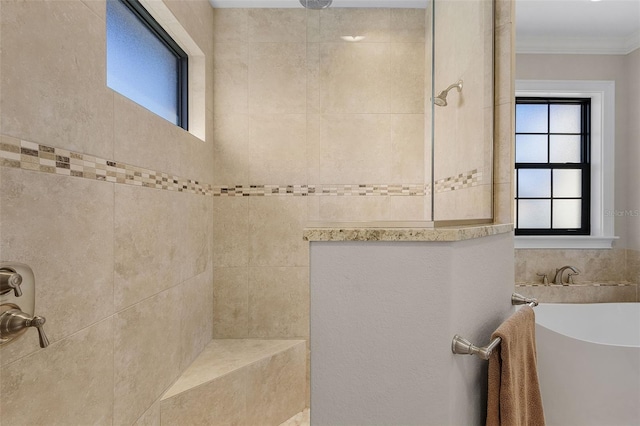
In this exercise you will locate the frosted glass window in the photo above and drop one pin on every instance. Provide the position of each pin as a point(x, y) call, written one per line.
point(564, 148)
point(534, 214)
point(565, 118)
point(534, 183)
point(140, 63)
point(531, 148)
point(531, 118)
point(567, 183)
point(567, 214)
point(552, 166)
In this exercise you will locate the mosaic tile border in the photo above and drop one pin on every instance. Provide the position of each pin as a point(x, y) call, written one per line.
point(323, 190)
point(37, 157)
point(33, 156)
point(463, 180)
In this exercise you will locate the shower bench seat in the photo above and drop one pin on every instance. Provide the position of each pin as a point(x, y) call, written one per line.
point(239, 381)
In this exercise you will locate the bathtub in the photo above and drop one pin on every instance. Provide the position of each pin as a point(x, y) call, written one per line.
point(589, 363)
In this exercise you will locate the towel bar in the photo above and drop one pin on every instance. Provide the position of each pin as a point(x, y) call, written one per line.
point(462, 346)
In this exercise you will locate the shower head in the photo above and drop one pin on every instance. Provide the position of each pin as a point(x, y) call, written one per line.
point(316, 4)
point(441, 99)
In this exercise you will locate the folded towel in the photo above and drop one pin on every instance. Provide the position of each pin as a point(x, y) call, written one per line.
point(514, 392)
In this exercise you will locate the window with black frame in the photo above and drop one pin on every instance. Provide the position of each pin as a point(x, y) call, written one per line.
point(144, 63)
point(552, 168)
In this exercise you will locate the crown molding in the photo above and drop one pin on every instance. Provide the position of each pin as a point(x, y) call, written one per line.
point(578, 45)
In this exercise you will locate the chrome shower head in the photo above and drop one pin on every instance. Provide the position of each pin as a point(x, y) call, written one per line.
point(316, 4)
point(441, 99)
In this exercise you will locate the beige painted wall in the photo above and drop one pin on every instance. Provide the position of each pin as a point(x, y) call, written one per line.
point(123, 272)
point(617, 264)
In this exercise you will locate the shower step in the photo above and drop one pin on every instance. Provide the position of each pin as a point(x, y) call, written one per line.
point(239, 381)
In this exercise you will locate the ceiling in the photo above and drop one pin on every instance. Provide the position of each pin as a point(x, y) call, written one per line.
point(577, 26)
point(542, 26)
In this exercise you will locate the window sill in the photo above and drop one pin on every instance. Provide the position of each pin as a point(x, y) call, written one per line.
point(563, 242)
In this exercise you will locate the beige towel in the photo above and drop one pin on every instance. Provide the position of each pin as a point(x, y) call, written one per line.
point(514, 392)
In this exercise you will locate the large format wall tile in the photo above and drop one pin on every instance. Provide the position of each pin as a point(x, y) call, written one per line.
point(147, 240)
point(231, 303)
point(70, 382)
point(231, 149)
point(134, 126)
point(278, 148)
point(275, 229)
point(162, 238)
point(274, 387)
point(277, 78)
point(146, 353)
point(196, 318)
point(53, 76)
point(277, 25)
point(230, 78)
point(279, 302)
point(63, 229)
point(231, 232)
point(355, 78)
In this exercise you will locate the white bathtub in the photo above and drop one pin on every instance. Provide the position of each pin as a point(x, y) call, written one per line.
point(589, 363)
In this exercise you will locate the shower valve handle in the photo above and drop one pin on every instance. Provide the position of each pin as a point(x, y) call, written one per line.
point(10, 280)
point(14, 322)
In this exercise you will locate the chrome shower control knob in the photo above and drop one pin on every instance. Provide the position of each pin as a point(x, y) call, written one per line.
point(10, 280)
point(14, 322)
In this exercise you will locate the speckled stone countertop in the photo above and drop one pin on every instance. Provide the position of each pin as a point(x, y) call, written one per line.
point(398, 232)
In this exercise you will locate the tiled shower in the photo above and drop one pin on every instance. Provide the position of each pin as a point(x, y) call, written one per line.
point(146, 241)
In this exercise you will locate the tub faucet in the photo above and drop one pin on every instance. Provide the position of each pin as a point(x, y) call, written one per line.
point(559, 272)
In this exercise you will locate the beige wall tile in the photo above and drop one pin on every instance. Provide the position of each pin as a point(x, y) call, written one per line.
point(407, 25)
point(65, 103)
point(70, 381)
point(355, 148)
point(279, 302)
point(196, 318)
point(146, 353)
point(407, 208)
point(230, 78)
point(373, 24)
point(216, 403)
point(193, 220)
point(136, 129)
point(147, 239)
point(355, 78)
point(278, 149)
point(151, 417)
point(230, 25)
point(277, 25)
point(230, 231)
point(231, 149)
point(594, 265)
point(406, 79)
point(63, 229)
point(313, 148)
point(231, 302)
point(277, 78)
point(313, 78)
point(503, 203)
point(349, 209)
point(274, 384)
point(633, 266)
point(275, 231)
point(408, 147)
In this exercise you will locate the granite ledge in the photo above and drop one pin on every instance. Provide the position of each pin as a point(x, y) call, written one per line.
point(336, 232)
